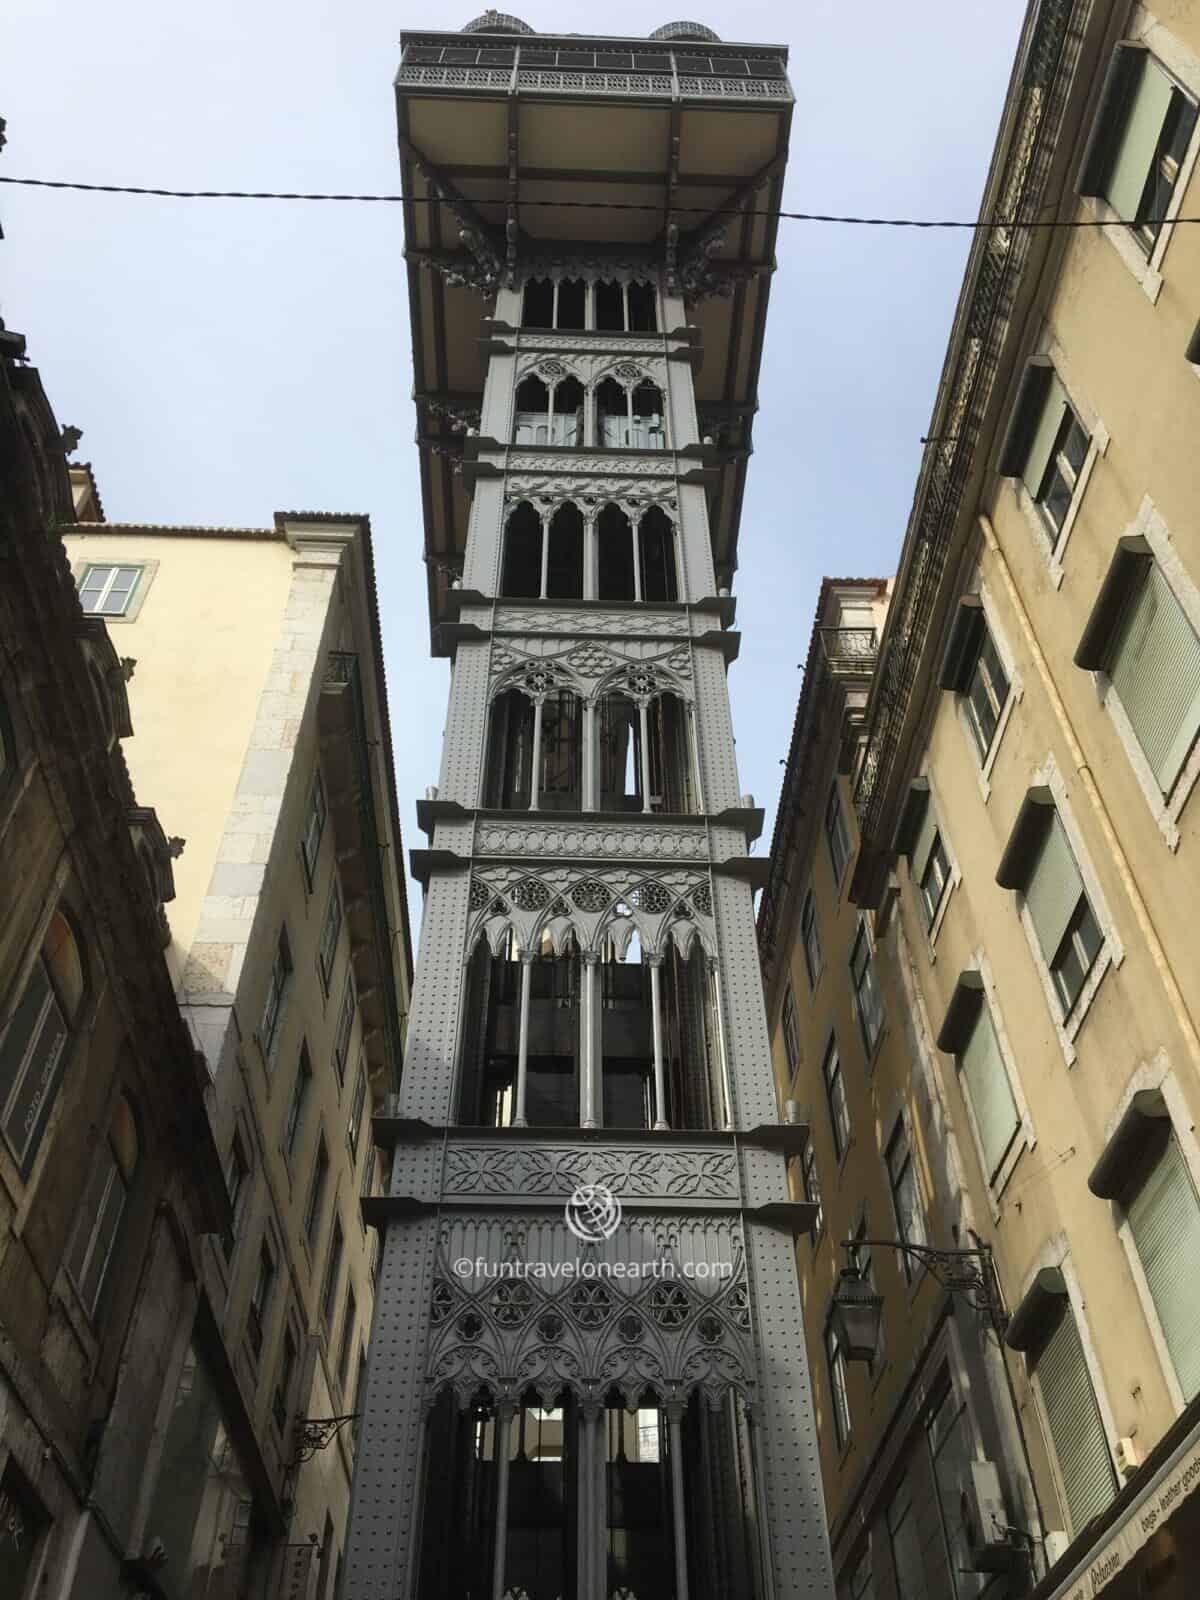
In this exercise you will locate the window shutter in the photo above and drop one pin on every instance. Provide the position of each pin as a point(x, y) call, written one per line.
point(1076, 1427)
point(992, 1101)
point(1164, 1217)
point(1139, 140)
point(1054, 889)
point(1156, 671)
point(1048, 423)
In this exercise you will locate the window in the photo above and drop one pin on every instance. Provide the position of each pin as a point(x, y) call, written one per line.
point(810, 937)
point(295, 1113)
point(1063, 920)
point(360, 1390)
point(345, 1027)
point(835, 1362)
point(1164, 1223)
point(33, 1047)
point(281, 971)
point(237, 1186)
point(260, 1298)
point(1073, 1417)
point(102, 1206)
point(859, 1583)
point(935, 877)
point(282, 1392)
point(985, 1083)
point(316, 1194)
point(357, 1105)
point(791, 1032)
point(1046, 445)
point(1153, 663)
point(1136, 149)
point(314, 826)
point(906, 1199)
point(860, 1257)
point(106, 591)
point(333, 1272)
point(347, 1339)
point(812, 1188)
point(868, 1002)
point(836, 834)
point(972, 669)
point(330, 929)
point(835, 1096)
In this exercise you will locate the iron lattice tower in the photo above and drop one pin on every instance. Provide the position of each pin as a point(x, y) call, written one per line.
point(629, 1417)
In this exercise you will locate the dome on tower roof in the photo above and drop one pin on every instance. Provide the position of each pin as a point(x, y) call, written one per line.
point(694, 32)
point(497, 22)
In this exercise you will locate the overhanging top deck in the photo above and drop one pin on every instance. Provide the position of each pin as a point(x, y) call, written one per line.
point(517, 147)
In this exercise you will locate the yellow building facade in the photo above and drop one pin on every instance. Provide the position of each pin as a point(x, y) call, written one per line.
point(1022, 845)
point(259, 686)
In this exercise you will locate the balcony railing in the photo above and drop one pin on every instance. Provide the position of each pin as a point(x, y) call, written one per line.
point(851, 652)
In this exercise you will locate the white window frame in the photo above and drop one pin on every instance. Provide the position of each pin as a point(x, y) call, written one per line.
point(1157, 1074)
point(1025, 1137)
point(814, 977)
point(1016, 693)
point(934, 928)
point(146, 571)
point(1053, 547)
point(792, 1053)
point(1166, 809)
point(831, 1048)
point(354, 1123)
point(316, 814)
point(1112, 951)
point(871, 1047)
point(1179, 63)
point(835, 793)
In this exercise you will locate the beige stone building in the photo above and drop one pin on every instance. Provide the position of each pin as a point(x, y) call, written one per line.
point(260, 700)
point(1022, 862)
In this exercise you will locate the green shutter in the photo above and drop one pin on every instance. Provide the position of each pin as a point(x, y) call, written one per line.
point(1054, 889)
point(1049, 422)
point(1156, 671)
point(1164, 1217)
point(990, 1092)
point(1076, 1427)
point(1139, 140)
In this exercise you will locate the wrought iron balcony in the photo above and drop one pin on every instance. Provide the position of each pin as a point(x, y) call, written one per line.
point(850, 652)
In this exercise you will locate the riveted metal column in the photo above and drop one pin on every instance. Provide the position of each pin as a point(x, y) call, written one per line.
point(678, 1520)
point(504, 1417)
point(590, 1021)
point(535, 767)
point(589, 756)
point(544, 579)
point(590, 554)
point(644, 728)
point(523, 1040)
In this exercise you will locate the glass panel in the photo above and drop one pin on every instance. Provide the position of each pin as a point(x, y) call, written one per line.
point(990, 1093)
point(1045, 436)
point(1139, 140)
point(1155, 669)
point(31, 1062)
point(201, 1506)
point(1084, 1463)
point(1054, 889)
point(950, 1442)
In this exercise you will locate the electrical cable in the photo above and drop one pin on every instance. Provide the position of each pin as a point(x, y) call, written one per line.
point(980, 225)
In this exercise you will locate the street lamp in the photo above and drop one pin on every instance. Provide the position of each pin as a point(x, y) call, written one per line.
point(858, 1310)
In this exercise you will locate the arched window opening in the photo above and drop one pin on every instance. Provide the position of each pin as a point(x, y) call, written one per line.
point(564, 567)
point(538, 307)
point(612, 415)
point(521, 576)
point(566, 422)
point(668, 754)
point(561, 753)
point(572, 303)
point(626, 1035)
point(97, 1227)
point(34, 1045)
point(531, 425)
point(615, 579)
point(510, 752)
point(643, 310)
point(646, 429)
point(492, 1038)
point(619, 731)
point(656, 545)
point(610, 306)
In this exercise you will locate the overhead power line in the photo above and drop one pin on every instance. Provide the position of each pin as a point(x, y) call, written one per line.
point(978, 225)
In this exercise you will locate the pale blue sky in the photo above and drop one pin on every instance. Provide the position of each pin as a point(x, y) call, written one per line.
point(227, 359)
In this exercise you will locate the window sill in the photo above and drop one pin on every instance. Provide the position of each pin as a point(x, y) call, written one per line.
point(1143, 267)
